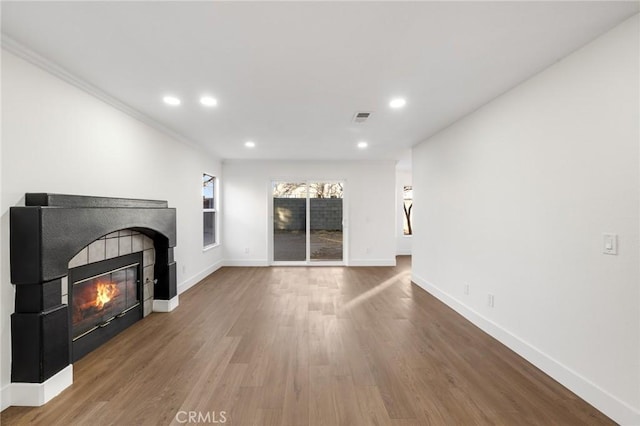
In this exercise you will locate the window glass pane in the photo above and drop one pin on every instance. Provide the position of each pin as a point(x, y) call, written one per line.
point(209, 228)
point(326, 220)
point(209, 206)
point(408, 209)
point(289, 221)
point(208, 188)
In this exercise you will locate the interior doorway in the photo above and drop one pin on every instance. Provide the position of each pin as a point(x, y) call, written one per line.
point(308, 222)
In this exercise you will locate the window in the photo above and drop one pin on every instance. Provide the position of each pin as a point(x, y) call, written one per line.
point(407, 205)
point(209, 234)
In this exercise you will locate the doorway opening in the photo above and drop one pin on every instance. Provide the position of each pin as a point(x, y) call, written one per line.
point(308, 222)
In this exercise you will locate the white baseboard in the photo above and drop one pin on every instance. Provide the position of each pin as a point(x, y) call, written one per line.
point(611, 406)
point(190, 282)
point(246, 262)
point(5, 397)
point(166, 305)
point(37, 394)
point(356, 262)
point(372, 262)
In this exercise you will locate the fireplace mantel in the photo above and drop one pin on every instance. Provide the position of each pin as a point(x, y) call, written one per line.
point(52, 228)
point(45, 235)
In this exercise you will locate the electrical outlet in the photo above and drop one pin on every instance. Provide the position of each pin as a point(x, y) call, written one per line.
point(490, 300)
point(368, 250)
point(246, 250)
point(466, 289)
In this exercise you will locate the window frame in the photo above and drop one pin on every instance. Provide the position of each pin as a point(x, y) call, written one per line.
point(405, 219)
point(215, 210)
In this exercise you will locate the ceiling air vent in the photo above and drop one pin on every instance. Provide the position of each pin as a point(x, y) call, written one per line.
point(361, 117)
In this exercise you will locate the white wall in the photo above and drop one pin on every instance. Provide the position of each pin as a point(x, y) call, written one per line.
point(514, 199)
point(370, 205)
point(6, 291)
point(57, 138)
point(403, 242)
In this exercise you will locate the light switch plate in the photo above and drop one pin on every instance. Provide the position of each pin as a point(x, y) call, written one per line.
point(610, 244)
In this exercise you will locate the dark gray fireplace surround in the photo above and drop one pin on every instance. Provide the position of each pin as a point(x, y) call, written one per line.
point(44, 236)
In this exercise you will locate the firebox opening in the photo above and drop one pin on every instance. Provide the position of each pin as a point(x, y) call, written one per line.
point(96, 301)
point(104, 299)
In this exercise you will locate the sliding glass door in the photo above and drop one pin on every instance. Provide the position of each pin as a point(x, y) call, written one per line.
point(325, 214)
point(289, 221)
point(308, 221)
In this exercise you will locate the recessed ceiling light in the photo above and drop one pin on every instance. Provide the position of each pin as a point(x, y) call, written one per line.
point(171, 100)
point(362, 144)
point(250, 144)
point(397, 103)
point(208, 101)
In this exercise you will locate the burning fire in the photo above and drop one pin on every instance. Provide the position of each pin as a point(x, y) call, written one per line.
point(105, 293)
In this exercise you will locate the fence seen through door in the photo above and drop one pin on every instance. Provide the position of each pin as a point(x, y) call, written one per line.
point(307, 221)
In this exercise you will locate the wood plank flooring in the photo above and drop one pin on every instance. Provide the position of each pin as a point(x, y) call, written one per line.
point(308, 346)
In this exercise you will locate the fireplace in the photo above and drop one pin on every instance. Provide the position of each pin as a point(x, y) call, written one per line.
point(84, 269)
point(104, 298)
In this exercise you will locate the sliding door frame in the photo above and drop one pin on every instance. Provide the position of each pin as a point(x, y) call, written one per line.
point(308, 261)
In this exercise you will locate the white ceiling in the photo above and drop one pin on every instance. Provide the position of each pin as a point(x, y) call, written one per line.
point(291, 75)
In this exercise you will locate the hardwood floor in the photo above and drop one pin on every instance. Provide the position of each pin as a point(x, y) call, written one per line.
point(308, 346)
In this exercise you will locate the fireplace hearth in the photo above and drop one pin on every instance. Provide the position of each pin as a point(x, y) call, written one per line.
point(84, 269)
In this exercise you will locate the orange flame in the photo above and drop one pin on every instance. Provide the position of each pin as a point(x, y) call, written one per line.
point(105, 293)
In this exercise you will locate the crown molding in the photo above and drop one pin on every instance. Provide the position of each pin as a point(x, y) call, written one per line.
point(20, 50)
